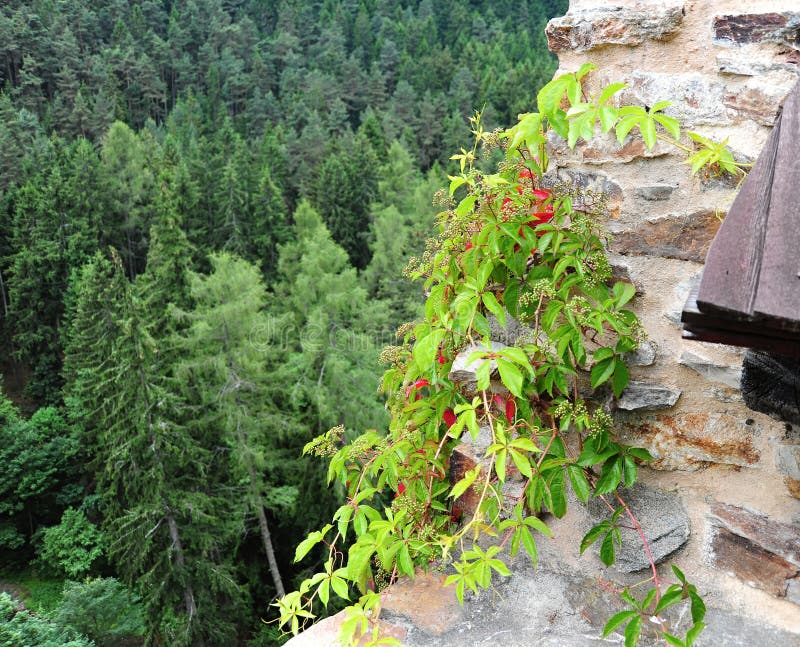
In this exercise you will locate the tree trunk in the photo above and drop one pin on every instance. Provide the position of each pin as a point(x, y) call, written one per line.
point(267, 539)
point(188, 594)
point(3, 295)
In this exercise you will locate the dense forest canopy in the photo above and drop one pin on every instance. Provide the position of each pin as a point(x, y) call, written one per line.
point(205, 210)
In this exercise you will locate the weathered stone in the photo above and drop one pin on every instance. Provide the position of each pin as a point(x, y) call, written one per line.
point(696, 99)
point(680, 294)
point(425, 602)
point(464, 371)
point(764, 554)
point(590, 28)
point(645, 396)
point(595, 183)
point(683, 237)
point(770, 384)
point(644, 355)
point(655, 192)
point(604, 149)
point(509, 334)
point(759, 100)
point(723, 394)
point(326, 632)
point(740, 29)
point(726, 629)
point(662, 517)
point(793, 485)
point(711, 370)
point(757, 61)
point(787, 460)
point(690, 441)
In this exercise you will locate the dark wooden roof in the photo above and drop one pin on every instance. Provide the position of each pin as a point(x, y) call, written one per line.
point(750, 291)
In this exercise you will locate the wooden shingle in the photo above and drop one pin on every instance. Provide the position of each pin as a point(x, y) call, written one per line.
point(750, 291)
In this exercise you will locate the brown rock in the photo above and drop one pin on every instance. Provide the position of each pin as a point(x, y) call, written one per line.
point(763, 553)
point(326, 632)
point(759, 103)
point(590, 28)
point(740, 29)
point(793, 486)
point(683, 237)
point(425, 601)
point(690, 441)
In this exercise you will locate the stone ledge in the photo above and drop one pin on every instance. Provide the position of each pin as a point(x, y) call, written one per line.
point(764, 554)
point(745, 28)
point(591, 28)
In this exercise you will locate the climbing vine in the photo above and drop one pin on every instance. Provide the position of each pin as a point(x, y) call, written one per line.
point(515, 242)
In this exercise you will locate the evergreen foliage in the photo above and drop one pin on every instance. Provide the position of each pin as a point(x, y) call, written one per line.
point(205, 210)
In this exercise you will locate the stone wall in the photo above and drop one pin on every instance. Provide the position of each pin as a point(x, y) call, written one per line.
point(727, 65)
point(721, 497)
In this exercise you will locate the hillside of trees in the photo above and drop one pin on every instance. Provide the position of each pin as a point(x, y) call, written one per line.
point(206, 207)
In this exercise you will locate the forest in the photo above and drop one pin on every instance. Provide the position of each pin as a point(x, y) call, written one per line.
point(206, 209)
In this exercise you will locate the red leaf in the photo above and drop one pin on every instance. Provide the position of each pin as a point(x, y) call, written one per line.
point(449, 417)
point(416, 386)
point(511, 409)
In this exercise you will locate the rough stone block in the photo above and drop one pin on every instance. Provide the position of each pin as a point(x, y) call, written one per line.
point(690, 441)
point(644, 355)
point(655, 192)
point(326, 632)
point(597, 183)
point(683, 237)
point(764, 554)
point(662, 517)
point(695, 97)
point(711, 370)
point(745, 28)
point(759, 99)
point(463, 370)
point(645, 396)
point(756, 60)
point(425, 602)
point(594, 27)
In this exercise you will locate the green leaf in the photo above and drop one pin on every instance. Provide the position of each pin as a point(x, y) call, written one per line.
point(693, 633)
point(628, 472)
point(698, 607)
point(426, 349)
point(538, 524)
point(340, 586)
point(679, 574)
point(616, 620)
point(522, 463)
point(670, 124)
point(490, 301)
point(623, 292)
point(610, 477)
point(510, 376)
point(601, 371)
point(672, 640)
point(667, 600)
point(621, 378)
point(607, 552)
point(530, 545)
point(465, 206)
point(404, 562)
point(632, 631)
point(580, 485)
point(309, 542)
point(455, 182)
point(500, 464)
point(648, 128)
point(625, 125)
point(465, 483)
point(609, 91)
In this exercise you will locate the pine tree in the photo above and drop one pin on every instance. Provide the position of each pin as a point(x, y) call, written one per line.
point(228, 374)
